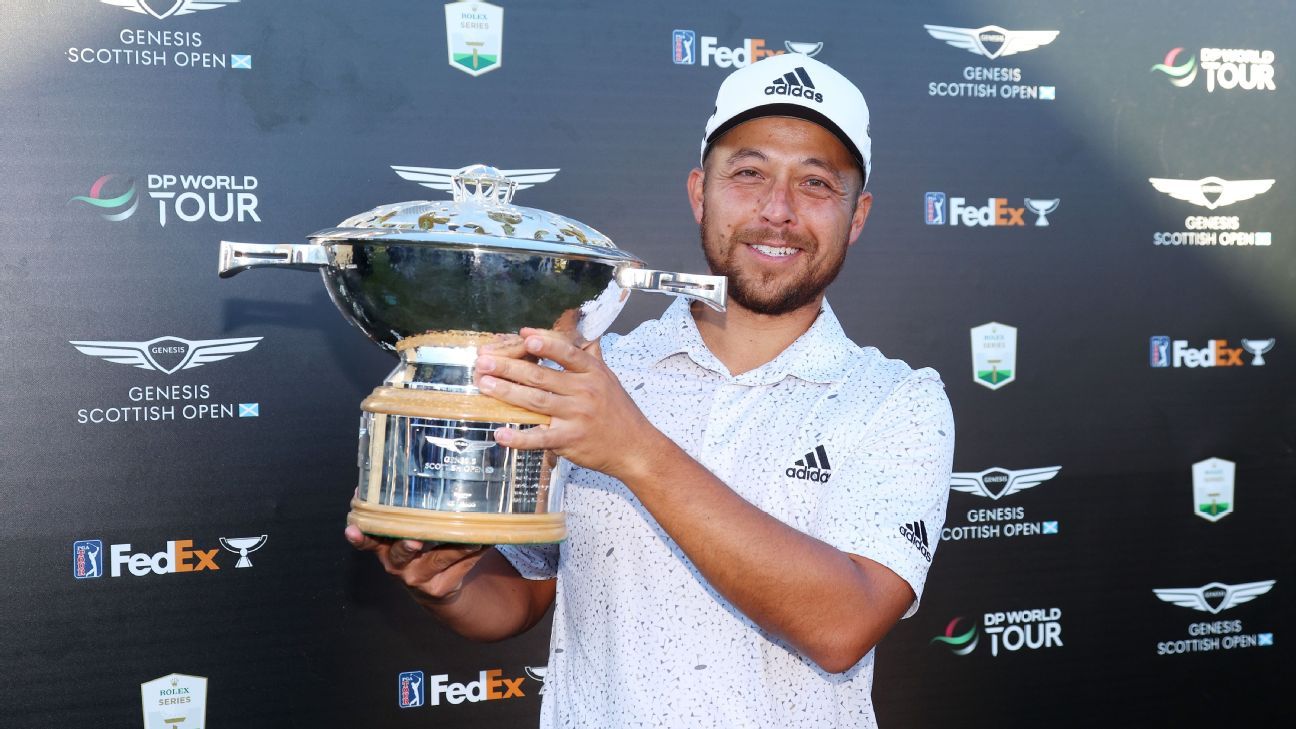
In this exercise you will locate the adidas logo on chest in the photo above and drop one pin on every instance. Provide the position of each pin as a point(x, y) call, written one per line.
point(811, 467)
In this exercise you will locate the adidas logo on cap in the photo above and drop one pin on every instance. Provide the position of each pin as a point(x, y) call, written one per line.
point(812, 467)
point(794, 83)
point(916, 533)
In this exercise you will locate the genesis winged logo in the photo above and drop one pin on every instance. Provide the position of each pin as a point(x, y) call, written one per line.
point(992, 41)
point(1211, 192)
point(997, 483)
point(167, 354)
point(1215, 597)
point(438, 178)
point(166, 8)
point(460, 445)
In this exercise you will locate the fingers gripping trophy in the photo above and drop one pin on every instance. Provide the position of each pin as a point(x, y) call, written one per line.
point(432, 281)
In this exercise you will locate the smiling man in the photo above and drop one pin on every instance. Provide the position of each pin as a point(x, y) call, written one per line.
point(755, 499)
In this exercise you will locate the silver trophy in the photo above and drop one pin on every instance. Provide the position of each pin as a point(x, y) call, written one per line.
point(431, 281)
point(1258, 347)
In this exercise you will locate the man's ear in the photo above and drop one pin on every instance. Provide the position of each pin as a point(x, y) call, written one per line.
point(862, 207)
point(696, 179)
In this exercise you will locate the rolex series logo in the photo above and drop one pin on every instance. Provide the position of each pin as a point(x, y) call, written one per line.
point(813, 466)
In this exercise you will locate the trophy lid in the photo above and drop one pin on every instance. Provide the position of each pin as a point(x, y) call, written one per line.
point(480, 214)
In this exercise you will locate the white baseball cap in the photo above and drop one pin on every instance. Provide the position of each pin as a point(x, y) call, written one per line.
point(795, 85)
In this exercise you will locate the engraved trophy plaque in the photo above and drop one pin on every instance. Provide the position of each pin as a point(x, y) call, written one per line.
point(431, 281)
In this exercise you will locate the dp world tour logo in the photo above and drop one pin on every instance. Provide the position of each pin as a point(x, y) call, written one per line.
point(1181, 75)
point(161, 9)
point(119, 206)
point(960, 644)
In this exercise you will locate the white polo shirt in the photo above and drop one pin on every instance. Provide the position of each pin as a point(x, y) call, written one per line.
point(832, 439)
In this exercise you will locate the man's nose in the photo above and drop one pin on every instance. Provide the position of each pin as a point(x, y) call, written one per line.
point(777, 207)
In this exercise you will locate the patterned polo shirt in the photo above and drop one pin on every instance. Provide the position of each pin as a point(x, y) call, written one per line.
point(833, 439)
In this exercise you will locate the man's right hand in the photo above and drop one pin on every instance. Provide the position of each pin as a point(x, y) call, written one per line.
point(470, 588)
point(435, 572)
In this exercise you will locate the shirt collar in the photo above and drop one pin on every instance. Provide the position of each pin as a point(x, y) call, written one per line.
point(818, 355)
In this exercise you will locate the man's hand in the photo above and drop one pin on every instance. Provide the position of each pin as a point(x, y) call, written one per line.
point(594, 418)
point(434, 571)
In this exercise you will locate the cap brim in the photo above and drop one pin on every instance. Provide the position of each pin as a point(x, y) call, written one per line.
point(792, 110)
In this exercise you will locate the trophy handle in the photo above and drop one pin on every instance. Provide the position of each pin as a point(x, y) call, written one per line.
point(710, 290)
point(238, 257)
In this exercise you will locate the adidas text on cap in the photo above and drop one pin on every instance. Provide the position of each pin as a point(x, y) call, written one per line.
point(792, 84)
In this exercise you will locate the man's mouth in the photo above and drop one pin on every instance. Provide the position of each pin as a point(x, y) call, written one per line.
point(775, 251)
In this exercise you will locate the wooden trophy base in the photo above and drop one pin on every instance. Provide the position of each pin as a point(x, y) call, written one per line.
point(457, 528)
point(396, 407)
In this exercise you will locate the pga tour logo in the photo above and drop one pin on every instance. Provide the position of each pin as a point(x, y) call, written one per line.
point(409, 689)
point(87, 559)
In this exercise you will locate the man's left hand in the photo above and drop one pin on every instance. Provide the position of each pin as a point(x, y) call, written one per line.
point(595, 422)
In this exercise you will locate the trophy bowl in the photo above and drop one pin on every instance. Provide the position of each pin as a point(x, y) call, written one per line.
point(431, 281)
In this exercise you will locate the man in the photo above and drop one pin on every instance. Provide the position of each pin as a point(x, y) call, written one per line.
point(755, 498)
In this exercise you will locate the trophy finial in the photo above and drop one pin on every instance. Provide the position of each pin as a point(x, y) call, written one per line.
point(482, 184)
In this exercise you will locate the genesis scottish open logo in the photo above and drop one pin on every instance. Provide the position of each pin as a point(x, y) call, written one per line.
point(992, 82)
point(998, 522)
point(1248, 69)
point(1212, 230)
point(686, 52)
point(1214, 635)
point(167, 356)
point(155, 47)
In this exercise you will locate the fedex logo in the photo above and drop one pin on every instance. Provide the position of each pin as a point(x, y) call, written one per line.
point(489, 686)
point(180, 556)
point(1167, 353)
point(996, 212)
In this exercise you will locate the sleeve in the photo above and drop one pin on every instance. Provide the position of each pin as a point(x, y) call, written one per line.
point(532, 561)
point(887, 500)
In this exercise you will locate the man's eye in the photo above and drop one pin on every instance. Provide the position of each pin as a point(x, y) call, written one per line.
point(746, 173)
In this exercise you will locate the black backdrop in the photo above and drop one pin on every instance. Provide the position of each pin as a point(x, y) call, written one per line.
point(332, 94)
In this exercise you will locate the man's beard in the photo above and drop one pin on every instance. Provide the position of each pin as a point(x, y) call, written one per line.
point(752, 291)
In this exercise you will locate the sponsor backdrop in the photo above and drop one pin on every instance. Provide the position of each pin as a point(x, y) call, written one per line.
point(1084, 220)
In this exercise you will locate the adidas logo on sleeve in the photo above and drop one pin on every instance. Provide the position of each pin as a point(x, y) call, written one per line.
point(916, 533)
point(811, 467)
point(794, 83)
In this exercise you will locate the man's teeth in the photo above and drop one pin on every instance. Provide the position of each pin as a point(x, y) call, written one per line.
point(775, 250)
